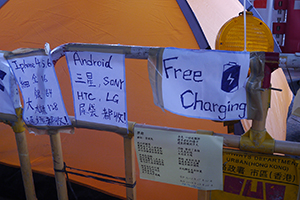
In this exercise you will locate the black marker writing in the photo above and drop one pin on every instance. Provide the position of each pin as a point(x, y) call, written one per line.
point(85, 96)
point(91, 62)
point(177, 73)
point(199, 104)
point(113, 82)
point(22, 66)
point(114, 98)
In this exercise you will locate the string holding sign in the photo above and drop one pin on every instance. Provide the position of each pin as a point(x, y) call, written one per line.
point(35, 75)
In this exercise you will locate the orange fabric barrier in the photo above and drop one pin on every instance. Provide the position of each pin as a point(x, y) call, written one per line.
point(31, 23)
point(146, 23)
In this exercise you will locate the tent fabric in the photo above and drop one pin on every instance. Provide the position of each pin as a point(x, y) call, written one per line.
point(161, 23)
point(194, 24)
point(146, 23)
point(2, 2)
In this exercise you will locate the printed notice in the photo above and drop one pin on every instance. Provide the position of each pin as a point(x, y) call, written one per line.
point(98, 83)
point(43, 104)
point(258, 176)
point(205, 84)
point(179, 158)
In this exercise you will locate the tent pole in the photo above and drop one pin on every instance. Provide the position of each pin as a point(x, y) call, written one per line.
point(25, 165)
point(19, 130)
point(260, 125)
point(283, 147)
point(58, 163)
point(130, 167)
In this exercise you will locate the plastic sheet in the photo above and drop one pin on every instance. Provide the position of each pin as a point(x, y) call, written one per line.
point(253, 86)
point(279, 101)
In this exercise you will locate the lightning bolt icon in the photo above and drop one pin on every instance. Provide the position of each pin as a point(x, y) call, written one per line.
point(230, 79)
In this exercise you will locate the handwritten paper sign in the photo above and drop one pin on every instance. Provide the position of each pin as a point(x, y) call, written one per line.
point(6, 80)
point(43, 104)
point(179, 158)
point(98, 82)
point(205, 84)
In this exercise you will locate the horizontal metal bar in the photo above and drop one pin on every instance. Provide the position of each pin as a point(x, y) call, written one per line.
point(8, 117)
point(136, 52)
point(286, 60)
point(232, 141)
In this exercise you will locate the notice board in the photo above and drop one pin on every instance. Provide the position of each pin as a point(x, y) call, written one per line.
point(258, 176)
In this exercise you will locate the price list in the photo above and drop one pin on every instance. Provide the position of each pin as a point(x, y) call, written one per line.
point(180, 158)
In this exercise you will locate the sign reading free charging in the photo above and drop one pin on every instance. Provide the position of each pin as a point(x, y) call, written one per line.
point(205, 84)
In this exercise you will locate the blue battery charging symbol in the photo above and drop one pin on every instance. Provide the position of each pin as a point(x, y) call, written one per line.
point(230, 77)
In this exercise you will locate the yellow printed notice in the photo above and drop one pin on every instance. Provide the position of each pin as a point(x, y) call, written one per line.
point(258, 176)
point(180, 158)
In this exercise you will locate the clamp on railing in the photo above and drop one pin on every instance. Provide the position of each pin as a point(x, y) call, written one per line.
point(130, 129)
point(257, 141)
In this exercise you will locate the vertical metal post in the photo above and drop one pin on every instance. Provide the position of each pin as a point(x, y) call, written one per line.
point(260, 125)
point(25, 166)
point(58, 163)
point(130, 167)
point(19, 130)
point(204, 195)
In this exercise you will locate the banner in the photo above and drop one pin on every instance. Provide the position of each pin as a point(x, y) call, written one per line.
point(258, 176)
point(99, 90)
point(179, 158)
point(43, 104)
point(203, 83)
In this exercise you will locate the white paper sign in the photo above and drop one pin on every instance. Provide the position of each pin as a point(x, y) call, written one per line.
point(7, 105)
point(205, 84)
point(179, 158)
point(43, 104)
point(99, 90)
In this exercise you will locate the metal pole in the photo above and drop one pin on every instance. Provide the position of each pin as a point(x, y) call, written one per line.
point(129, 168)
point(25, 166)
point(19, 130)
point(58, 164)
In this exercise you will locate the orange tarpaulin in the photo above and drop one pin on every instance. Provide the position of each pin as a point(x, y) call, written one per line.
point(31, 23)
point(146, 23)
